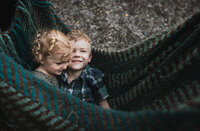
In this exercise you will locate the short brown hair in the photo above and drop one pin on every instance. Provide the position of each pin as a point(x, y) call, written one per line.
point(77, 35)
point(48, 43)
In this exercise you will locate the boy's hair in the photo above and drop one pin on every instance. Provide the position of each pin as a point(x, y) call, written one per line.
point(50, 42)
point(75, 35)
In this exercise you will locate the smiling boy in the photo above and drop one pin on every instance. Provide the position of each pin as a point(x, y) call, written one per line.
point(79, 79)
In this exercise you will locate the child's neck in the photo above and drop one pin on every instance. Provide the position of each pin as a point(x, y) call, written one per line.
point(44, 71)
point(71, 75)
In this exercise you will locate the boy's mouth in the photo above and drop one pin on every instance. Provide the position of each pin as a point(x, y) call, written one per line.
point(76, 61)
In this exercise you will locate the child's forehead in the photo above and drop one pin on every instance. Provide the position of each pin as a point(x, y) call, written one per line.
point(59, 57)
point(79, 42)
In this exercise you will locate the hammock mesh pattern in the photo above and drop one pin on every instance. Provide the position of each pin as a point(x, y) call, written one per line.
point(153, 85)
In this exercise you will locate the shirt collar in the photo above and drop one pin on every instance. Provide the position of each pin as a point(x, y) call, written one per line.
point(83, 75)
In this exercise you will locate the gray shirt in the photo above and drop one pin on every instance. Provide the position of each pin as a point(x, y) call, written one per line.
point(48, 79)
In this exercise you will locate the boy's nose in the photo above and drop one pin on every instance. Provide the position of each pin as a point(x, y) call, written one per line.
point(76, 53)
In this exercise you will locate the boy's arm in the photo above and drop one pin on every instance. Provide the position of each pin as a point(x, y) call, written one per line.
point(104, 104)
point(98, 88)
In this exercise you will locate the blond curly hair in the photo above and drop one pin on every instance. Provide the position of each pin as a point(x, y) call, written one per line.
point(50, 42)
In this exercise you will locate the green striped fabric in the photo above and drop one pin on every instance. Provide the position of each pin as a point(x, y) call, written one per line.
point(153, 85)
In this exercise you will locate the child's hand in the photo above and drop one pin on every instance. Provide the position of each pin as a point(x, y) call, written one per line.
point(104, 104)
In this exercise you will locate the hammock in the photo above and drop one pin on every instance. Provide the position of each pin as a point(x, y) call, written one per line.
point(153, 85)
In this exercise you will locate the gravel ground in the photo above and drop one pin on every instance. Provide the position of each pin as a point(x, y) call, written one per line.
point(118, 24)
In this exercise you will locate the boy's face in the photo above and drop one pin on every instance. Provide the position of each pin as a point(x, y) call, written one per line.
point(81, 55)
point(54, 65)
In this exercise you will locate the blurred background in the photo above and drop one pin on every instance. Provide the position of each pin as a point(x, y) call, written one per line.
point(118, 24)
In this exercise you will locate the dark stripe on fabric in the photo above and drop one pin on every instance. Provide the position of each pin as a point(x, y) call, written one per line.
point(90, 116)
point(4, 69)
point(97, 119)
point(186, 93)
point(36, 92)
point(120, 121)
point(123, 56)
point(13, 75)
point(158, 105)
point(28, 81)
point(132, 53)
point(152, 107)
point(36, 108)
point(48, 119)
point(130, 123)
point(44, 94)
point(59, 122)
point(159, 39)
point(73, 104)
point(127, 55)
point(106, 121)
point(153, 43)
point(59, 103)
point(158, 122)
point(51, 100)
point(112, 121)
point(148, 122)
point(179, 96)
point(137, 50)
point(194, 90)
point(138, 122)
point(165, 103)
point(83, 112)
point(171, 98)
point(21, 82)
point(142, 49)
point(117, 56)
point(148, 45)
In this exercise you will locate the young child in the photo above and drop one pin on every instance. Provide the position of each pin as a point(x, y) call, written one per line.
point(79, 79)
point(52, 51)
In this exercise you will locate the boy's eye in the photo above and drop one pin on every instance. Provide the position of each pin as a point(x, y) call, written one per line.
point(59, 63)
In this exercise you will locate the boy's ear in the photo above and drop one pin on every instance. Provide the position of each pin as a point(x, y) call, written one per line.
point(90, 57)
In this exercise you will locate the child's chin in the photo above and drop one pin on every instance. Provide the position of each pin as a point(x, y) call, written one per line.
point(76, 68)
point(59, 73)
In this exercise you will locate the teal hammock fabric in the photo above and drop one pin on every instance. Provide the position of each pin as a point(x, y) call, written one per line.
point(153, 85)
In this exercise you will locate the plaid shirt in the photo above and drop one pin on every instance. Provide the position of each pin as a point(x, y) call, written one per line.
point(88, 86)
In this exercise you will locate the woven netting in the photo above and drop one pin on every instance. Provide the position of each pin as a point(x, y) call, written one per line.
point(153, 85)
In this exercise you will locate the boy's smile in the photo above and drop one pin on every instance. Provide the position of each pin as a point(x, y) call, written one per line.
point(81, 55)
point(76, 61)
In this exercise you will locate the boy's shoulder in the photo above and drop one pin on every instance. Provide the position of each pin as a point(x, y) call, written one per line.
point(93, 71)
